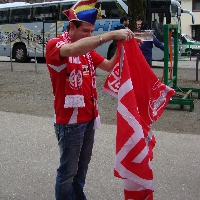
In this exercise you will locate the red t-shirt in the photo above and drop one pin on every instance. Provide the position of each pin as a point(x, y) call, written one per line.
point(58, 68)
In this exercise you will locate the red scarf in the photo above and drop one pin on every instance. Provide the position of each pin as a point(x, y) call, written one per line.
point(74, 79)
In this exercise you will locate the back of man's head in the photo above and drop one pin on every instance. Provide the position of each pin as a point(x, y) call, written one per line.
point(144, 25)
point(122, 19)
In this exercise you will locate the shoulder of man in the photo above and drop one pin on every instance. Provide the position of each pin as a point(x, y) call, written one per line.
point(119, 27)
point(58, 42)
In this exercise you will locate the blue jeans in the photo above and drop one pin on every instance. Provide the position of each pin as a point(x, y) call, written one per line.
point(75, 143)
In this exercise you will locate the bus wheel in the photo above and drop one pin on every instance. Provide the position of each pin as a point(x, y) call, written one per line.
point(20, 54)
point(189, 52)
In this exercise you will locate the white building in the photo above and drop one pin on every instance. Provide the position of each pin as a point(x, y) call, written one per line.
point(188, 28)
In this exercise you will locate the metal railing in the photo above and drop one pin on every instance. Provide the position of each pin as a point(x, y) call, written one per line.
point(197, 65)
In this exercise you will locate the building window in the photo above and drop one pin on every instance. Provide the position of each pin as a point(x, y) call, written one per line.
point(196, 32)
point(196, 5)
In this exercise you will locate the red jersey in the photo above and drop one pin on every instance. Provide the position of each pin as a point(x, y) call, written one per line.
point(58, 69)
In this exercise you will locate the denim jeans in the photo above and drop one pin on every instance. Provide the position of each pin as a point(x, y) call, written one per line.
point(75, 143)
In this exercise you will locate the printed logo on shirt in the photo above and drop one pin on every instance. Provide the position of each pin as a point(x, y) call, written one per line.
point(85, 70)
point(75, 79)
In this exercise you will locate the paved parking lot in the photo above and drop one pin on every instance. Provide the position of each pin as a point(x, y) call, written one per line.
point(29, 158)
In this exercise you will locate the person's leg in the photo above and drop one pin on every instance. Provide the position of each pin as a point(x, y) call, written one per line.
point(70, 140)
point(150, 63)
point(84, 160)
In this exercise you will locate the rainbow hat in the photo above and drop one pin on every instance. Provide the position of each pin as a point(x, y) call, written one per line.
point(83, 10)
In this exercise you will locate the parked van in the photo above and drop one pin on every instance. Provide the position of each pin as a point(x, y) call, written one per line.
point(158, 55)
point(189, 46)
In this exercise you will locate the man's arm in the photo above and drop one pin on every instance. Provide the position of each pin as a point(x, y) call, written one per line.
point(107, 65)
point(87, 44)
point(119, 27)
point(157, 43)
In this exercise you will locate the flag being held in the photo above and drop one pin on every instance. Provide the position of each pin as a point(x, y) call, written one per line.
point(141, 101)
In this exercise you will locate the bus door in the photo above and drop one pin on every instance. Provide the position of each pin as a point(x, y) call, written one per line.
point(49, 31)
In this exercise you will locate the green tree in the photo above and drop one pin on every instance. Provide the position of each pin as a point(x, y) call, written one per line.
point(135, 12)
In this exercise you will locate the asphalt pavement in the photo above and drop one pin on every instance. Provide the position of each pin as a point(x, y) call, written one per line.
point(29, 157)
point(184, 62)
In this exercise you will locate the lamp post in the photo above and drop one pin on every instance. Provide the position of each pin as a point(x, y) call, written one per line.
point(10, 35)
point(35, 51)
point(197, 65)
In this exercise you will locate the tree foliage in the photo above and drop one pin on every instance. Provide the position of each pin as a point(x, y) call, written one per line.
point(135, 12)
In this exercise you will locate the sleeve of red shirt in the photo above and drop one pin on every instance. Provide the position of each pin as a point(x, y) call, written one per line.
point(53, 52)
point(96, 58)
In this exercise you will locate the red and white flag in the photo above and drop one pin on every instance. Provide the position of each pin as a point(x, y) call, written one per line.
point(141, 101)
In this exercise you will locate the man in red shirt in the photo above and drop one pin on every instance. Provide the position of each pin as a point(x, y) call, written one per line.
point(72, 61)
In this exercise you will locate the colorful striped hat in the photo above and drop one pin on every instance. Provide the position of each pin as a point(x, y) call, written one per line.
point(83, 10)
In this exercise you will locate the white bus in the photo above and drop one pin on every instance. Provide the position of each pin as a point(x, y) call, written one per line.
point(25, 28)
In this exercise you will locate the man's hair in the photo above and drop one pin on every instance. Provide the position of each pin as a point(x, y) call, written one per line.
point(76, 23)
point(144, 25)
point(122, 19)
point(138, 21)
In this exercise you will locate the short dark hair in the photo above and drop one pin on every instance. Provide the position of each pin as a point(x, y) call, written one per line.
point(77, 23)
point(144, 25)
point(122, 19)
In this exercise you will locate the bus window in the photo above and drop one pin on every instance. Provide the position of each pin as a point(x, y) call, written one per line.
point(110, 9)
point(45, 13)
point(3, 16)
point(19, 15)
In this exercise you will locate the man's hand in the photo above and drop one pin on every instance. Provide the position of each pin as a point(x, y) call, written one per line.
point(125, 35)
point(138, 40)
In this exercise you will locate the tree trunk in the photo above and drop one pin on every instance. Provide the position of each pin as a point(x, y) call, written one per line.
point(135, 12)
